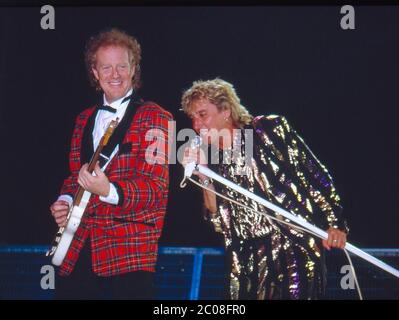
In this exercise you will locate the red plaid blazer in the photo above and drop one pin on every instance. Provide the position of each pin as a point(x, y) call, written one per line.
point(124, 237)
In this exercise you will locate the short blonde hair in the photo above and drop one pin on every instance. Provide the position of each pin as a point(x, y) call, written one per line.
point(222, 95)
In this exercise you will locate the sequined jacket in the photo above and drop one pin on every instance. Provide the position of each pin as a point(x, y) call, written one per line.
point(267, 259)
point(284, 171)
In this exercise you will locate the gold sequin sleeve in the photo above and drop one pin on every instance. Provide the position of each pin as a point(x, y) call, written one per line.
point(313, 186)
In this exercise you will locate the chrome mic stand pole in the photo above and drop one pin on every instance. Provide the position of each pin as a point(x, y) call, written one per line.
point(190, 167)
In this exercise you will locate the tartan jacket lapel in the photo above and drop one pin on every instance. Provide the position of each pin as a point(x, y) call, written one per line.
point(86, 147)
point(124, 124)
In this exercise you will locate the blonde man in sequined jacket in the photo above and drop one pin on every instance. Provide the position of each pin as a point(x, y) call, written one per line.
point(267, 259)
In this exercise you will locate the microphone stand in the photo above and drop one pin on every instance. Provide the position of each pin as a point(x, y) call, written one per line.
point(190, 167)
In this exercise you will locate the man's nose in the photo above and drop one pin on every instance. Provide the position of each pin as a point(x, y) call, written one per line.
point(197, 123)
point(115, 73)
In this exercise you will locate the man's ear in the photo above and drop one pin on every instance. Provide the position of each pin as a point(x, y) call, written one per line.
point(226, 113)
point(95, 72)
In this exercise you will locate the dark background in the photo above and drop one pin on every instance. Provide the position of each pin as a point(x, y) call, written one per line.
point(338, 88)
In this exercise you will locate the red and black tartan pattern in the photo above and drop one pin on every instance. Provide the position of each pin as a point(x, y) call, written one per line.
point(124, 237)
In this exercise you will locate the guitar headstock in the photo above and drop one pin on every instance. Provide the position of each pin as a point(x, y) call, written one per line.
point(108, 133)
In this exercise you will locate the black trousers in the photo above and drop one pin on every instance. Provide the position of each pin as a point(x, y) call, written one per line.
point(84, 284)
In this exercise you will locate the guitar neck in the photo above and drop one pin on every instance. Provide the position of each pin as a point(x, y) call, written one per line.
point(96, 156)
point(92, 164)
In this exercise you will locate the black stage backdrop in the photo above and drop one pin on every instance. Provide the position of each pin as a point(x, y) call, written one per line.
point(338, 88)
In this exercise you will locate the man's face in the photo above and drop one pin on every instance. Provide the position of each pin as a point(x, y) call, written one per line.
point(113, 72)
point(205, 115)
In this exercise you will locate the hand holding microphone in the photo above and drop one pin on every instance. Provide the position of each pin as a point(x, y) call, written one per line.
point(195, 154)
point(196, 142)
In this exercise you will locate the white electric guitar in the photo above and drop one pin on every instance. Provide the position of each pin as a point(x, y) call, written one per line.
point(64, 236)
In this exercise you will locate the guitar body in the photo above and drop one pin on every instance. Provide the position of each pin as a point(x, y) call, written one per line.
point(75, 216)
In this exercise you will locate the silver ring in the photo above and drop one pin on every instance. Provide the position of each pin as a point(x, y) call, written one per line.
point(335, 240)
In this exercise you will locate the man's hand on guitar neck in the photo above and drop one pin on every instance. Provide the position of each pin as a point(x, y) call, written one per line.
point(59, 210)
point(98, 184)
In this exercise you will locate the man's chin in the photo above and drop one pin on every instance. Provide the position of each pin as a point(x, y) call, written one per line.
point(114, 96)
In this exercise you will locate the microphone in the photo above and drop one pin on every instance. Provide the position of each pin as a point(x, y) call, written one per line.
point(195, 142)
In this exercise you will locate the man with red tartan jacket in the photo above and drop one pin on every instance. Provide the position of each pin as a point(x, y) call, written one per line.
point(114, 251)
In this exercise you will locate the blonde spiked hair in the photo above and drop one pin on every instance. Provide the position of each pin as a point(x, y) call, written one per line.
point(222, 94)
